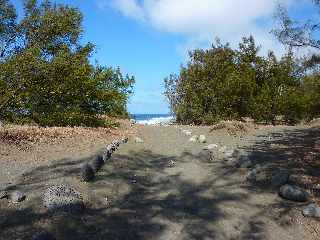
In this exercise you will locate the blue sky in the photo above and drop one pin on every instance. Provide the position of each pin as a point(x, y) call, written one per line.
point(150, 38)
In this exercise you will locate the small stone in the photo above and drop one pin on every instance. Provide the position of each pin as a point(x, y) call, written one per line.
point(87, 173)
point(202, 139)
point(125, 140)
point(280, 178)
point(229, 153)
point(312, 210)
point(223, 149)
point(43, 236)
point(110, 148)
point(97, 163)
point(133, 121)
point(16, 196)
point(115, 143)
point(138, 140)
point(187, 132)
point(210, 147)
point(293, 193)
point(247, 120)
point(194, 138)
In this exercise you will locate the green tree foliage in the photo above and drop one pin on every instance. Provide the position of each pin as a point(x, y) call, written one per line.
point(223, 83)
point(45, 73)
point(304, 34)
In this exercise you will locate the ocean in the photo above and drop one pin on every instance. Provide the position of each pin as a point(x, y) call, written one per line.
point(152, 119)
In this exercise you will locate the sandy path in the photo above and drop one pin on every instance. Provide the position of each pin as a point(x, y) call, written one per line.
point(166, 188)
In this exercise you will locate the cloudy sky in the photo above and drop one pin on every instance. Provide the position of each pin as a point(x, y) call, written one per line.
point(150, 38)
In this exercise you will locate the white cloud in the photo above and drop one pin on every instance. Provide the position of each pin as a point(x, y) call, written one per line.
point(203, 20)
point(129, 8)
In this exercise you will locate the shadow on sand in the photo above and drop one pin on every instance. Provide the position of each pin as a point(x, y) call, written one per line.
point(145, 202)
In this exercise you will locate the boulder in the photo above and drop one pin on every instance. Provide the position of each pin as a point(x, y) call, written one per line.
point(138, 140)
point(97, 163)
point(16, 197)
point(210, 147)
point(280, 178)
point(63, 198)
point(293, 193)
point(43, 236)
point(87, 173)
point(312, 210)
point(194, 138)
point(202, 139)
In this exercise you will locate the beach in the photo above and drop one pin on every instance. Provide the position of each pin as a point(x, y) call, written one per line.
point(165, 187)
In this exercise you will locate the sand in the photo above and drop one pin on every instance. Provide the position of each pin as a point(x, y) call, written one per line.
point(164, 188)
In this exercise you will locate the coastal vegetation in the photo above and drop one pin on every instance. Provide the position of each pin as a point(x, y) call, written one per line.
point(222, 83)
point(46, 76)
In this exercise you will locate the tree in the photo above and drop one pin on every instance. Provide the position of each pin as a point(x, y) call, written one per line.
point(298, 34)
point(47, 77)
point(8, 26)
point(224, 83)
point(304, 34)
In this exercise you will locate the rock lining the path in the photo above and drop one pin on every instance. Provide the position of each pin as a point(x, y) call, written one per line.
point(187, 132)
point(87, 173)
point(294, 193)
point(312, 210)
point(97, 163)
point(202, 139)
point(138, 140)
point(16, 197)
point(211, 147)
point(194, 138)
point(280, 178)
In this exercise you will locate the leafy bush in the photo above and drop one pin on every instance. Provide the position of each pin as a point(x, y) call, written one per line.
point(221, 83)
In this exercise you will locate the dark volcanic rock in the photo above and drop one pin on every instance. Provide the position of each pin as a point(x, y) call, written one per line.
point(43, 236)
point(87, 173)
point(107, 155)
point(97, 163)
point(63, 198)
point(293, 193)
point(280, 178)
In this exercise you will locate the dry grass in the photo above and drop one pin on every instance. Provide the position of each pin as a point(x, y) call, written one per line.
point(233, 127)
point(25, 134)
